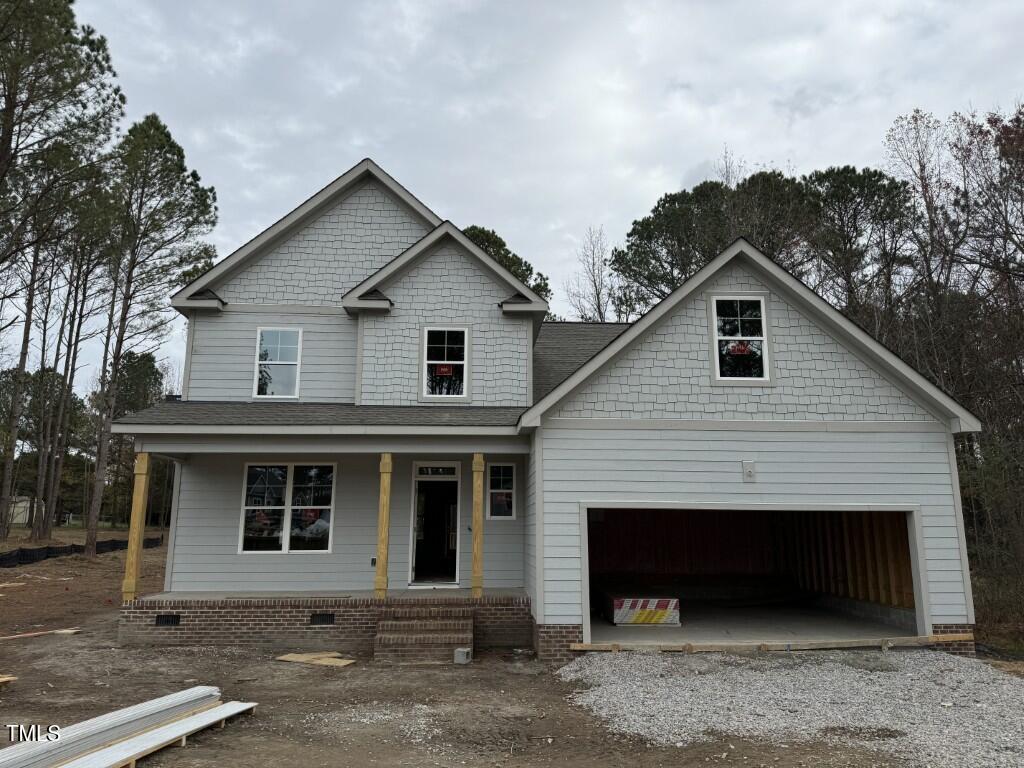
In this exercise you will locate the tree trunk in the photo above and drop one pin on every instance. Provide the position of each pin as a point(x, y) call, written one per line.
point(108, 402)
point(17, 390)
point(64, 409)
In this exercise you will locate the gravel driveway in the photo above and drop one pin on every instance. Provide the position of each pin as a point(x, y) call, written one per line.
point(922, 706)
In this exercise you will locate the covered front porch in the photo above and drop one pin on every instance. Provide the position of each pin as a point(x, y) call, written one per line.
point(278, 531)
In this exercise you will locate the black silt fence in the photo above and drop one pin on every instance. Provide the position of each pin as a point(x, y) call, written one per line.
point(27, 555)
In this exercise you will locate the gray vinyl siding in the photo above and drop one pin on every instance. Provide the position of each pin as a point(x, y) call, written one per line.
point(333, 253)
point(530, 529)
point(793, 467)
point(223, 356)
point(447, 287)
point(668, 373)
point(206, 558)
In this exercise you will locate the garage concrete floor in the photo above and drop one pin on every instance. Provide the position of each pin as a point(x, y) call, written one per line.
point(767, 624)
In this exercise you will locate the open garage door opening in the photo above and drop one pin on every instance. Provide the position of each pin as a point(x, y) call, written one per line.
point(680, 576)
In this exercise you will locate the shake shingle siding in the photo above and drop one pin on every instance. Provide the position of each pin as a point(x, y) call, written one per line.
point(446, 288)
point(668, 374)
point(331, 254)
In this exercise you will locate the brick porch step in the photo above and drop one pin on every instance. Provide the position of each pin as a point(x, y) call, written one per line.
point(412, 626)
point(422, 635)
point(427, 612)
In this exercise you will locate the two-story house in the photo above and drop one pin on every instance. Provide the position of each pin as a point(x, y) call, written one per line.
point(382, 445)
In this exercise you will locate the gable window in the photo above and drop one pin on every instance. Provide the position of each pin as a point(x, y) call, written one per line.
point(287, 508)
point(740, 349)
point(277, 362)
point(501, 491)
point(444, 362)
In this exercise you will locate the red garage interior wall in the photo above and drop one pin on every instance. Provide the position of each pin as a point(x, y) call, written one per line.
point(721, 553)
point(673, 542)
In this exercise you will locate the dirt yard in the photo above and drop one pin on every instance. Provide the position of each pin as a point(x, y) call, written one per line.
point(499, 711)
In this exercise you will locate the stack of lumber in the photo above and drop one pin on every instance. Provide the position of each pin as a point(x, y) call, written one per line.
point(120, 738)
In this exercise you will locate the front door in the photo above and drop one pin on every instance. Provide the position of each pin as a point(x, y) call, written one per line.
point(435, 526)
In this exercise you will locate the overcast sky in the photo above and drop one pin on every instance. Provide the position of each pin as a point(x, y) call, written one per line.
point(539, 119)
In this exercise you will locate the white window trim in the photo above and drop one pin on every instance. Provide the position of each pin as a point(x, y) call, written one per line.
point(715, 338)
point(416, 477)
point(487, 480)
point(465, 363)
point(286, 521)
point(256, 367)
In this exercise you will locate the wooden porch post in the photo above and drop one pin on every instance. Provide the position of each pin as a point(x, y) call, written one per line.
point(380, 581)
point(478, 525)
point(136, 529)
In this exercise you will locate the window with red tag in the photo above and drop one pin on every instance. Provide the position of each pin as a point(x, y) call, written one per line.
point(444, 371)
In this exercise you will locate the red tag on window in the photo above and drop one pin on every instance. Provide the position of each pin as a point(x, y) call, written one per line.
point(739, 348)
point(442, 370)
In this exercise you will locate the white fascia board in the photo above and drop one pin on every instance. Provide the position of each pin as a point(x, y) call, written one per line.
point(260, 429)
point(523, 309)
point(183, 305)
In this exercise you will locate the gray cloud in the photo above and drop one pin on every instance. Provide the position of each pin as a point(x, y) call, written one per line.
point(536, 118)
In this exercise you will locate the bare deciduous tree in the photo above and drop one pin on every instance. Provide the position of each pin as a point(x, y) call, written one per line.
point(590, 291)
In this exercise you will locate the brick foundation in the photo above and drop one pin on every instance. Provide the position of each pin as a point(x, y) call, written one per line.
point(500, 621)
point(959, 648)
point(552, 642)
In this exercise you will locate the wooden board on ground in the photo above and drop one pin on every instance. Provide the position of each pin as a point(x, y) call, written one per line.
point(127, 751)
point(809, 645)
point(323, 658)
point(69, 631)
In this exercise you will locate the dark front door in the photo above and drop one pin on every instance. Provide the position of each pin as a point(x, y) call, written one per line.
point(436, 530)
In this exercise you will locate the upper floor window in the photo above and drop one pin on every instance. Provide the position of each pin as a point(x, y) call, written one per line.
point(444, 362)
point(740, 349)
point(277, 362)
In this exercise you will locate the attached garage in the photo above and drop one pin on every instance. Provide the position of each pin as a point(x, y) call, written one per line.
point(745, 453)
point(739, 576)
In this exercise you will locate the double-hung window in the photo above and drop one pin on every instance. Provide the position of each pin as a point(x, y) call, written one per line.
point(277, 362)
point(444, 362)
point(740, 350)
point(501, 491)
point(287, 508)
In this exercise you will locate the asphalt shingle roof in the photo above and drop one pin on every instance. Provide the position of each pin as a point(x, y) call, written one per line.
point(562, 348)
point(218, 413)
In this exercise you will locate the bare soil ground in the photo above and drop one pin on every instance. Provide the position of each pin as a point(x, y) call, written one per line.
point(499, 711)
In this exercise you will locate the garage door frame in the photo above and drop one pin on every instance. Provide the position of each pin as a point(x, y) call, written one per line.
point(914, 530)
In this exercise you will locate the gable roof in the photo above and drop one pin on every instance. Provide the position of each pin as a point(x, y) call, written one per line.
point(958, 418)
point(562, 347)
point(341, 186)
point(368, 294)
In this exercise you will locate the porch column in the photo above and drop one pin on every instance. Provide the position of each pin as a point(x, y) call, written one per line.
point(478, 525)
point(136, 529)
point(380, 581)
